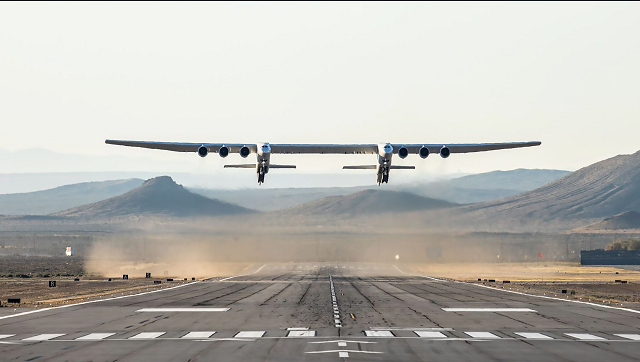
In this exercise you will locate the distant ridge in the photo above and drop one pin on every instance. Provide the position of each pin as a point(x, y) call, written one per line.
point(63, 197)
point(625, 221)
point(367, 202)
point(156, 196)
point(605, 188)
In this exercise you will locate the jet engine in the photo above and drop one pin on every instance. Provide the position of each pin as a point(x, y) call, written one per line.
point(403, 152)
point(223, 151)
point(445, 152)
point(423, 152)
point(244, 151)
point(203, 151)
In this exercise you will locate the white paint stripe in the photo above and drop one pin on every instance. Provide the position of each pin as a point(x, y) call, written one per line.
point(43, 337)
point(337, 321)
point(342, 344)
point(155, 310)
point(95, 337)
point(250, 334)
point(484, 335)
point(2, 336)
point(97, 301)
point(348, 351)
point(585, 337)
point(193, 335)
point(147, 335)
point(378, 334)
point(427, 334)
point(528, 335)
point(243, 275)
point(301, 334)
point(343, 354)
point(635, 337)
point(495, 310)
point(298, 329)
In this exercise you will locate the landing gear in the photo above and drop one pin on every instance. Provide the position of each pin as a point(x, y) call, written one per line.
point(260, 175)
point(383, 176)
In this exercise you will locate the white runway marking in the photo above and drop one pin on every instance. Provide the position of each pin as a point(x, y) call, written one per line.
point(301, 334)
point(427, 334)
point(147, 335)
point(342, 344)
point(94, 336)
point(378, 334)
point(635, 337)
point(195, 335)
point(532, 335)
point(483, 335)
point(343, 354)
point(2, 336)
point(237, 276)
point(95, 301)
point(298, 329)
point(155, 310)
point(585, 337)
point(494, 310)
point(43, 337)
point(250, 334)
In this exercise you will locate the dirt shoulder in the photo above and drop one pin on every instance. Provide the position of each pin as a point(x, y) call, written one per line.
point(595, 284)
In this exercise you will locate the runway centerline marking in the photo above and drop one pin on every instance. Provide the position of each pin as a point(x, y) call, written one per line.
point(301, 334)
point(2, 336)
point(378, 334)
point(183, 310)
point(634, 337)
point(429, 334)
point(495, 310)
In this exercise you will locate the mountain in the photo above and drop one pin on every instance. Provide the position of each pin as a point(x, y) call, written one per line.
point(63, 197)
point(605, 188)
point(367, 202)
point(156, 196)
point(624, 221)
point(462, 190)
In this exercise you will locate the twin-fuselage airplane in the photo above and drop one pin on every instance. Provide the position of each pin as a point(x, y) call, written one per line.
point(263, 151)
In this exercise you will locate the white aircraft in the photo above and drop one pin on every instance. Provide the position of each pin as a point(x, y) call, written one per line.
point(264, 151)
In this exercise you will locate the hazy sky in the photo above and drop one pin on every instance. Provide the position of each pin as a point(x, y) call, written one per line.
point(567, 74)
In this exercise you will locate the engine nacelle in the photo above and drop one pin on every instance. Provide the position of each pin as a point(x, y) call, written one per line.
point(445, 152)
point(223, 151)
point(203, 151)
point(423, 152)
point(403, 152)
point(245, 151)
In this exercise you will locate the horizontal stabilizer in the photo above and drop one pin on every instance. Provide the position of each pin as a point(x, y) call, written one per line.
point(402, 167)
point(282, 166)
point(246, 165)
point(364, 167)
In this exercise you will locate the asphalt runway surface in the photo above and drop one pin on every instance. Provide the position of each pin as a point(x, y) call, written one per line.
point(324, 312)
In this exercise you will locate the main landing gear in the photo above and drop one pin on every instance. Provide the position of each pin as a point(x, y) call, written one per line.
point(260, 175)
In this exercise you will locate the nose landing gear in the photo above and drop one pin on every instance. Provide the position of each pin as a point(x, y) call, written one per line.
point(260, 175)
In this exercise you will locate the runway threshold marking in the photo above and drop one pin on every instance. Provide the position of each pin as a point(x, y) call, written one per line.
point(428, 334)
point(301, 334)
point(197, 335)
point(495, 310)
point(250, 334)
point(634, 337)
point(94, 337)
point(2, 336)
point(483, 335)
point(378, 334)
point(529, 335)
point(43, 337)
point(155, 310)
point(147, 335)
point(585, 337)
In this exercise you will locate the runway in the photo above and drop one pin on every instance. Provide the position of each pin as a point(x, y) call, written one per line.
point(324, 312)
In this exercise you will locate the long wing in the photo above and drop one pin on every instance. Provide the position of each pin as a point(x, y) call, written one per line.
point(464, 147)
point(182, 147)
point(324, 148)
